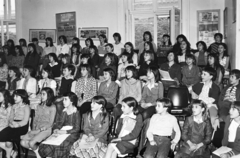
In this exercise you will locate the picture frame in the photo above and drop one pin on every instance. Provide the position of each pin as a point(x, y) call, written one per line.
point(225, 16)
point(66, 25)
point(92, 32)
point(208, 23)
point(42, 34)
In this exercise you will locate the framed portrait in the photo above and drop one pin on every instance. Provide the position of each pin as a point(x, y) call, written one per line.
point(208, 23)
point(225, 16)
point(92, 32)
point(42, 34)
point(66, 25)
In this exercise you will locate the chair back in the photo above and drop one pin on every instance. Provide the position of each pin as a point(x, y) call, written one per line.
point(147, 113)
point(179, 97)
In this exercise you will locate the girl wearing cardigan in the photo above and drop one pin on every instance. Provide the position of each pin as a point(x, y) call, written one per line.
point(128, 129)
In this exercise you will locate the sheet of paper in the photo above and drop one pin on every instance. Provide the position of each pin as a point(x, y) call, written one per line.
point(87, 145)
point(165, 75)
point(55, 139)
point(222, 150)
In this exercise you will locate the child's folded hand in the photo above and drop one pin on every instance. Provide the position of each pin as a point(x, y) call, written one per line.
point(90, 138)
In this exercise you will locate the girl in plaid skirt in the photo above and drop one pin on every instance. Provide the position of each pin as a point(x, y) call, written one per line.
point(96, 123)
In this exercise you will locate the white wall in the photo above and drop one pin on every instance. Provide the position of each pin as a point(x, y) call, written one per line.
point(40, 14)
point(189, 16)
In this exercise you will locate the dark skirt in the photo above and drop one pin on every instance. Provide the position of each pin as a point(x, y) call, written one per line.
point(61, 151)
point(13, 134)
point(125, 147)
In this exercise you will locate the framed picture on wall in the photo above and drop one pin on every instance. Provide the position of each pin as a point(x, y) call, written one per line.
point(42, 34)
point(208, 23)
point(92, 32)
point(225, 16)
point(66, 25)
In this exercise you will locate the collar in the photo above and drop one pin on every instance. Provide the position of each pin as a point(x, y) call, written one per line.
point(56, 63)
point(197, 120)
point(209, 85)
point(73, 110)
point(131, 115)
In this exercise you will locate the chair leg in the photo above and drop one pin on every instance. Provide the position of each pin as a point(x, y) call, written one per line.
point(26, 153)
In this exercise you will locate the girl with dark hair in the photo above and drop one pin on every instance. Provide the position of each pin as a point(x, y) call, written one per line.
point(173, 69)
point(42, 122)
point(86, 88)
point(130, 49)
point(94, 59)
point(190, 72)
point(148, 61)
point(201, 55)
point(231, 131)
point(213, 48)
point(147, 37)
point(76, 41)
point(128, 129)
point(49, 48)
point(96, 124)
point(3, 72)
point(75, 57)
point(101, 48)
point(108, 62)
point(223, 57)
point(28, 83)
point(88, 43)
point(18, 123)
point(177, 45)
point(185, 49)
point(17, 58)
point(148, 46)
point(109, 88)
point(69, 124)
point(23, 44)
point(126, 61)
point(13, 78)
point(11, 47)
point(47, 80)
point(118, 46)
point(153, 89)
point(63, 48)
point(213, 61)
point(53, 65)
point(32, 57)
point(197, 132)
point(164, 48)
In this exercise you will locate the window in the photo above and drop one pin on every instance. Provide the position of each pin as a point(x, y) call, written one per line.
point(7, 17)
point(150, 15)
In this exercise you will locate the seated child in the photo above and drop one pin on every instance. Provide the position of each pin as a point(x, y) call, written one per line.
point(28, 82)
point(153, 89)
point(42, 122)
point(96, 123)
point(231, 136)
point(190, 72)
point(67, 83)
point(208, 92)
point(126, 61)
point(109, 88)
point(196, 133)
point(69, 117)
point(13, 77)
point(128, 130)
point(229, 94)
point(160, 134)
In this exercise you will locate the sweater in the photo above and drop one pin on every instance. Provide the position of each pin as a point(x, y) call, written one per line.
point(151, 95)
point(130, 89)
point(190, 76)
point(109, 92)
point(174, 70)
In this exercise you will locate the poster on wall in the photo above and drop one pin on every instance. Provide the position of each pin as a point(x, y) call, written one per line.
point(92, 32)
point(42, 34)
point(66, 25)
point(208, 24)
